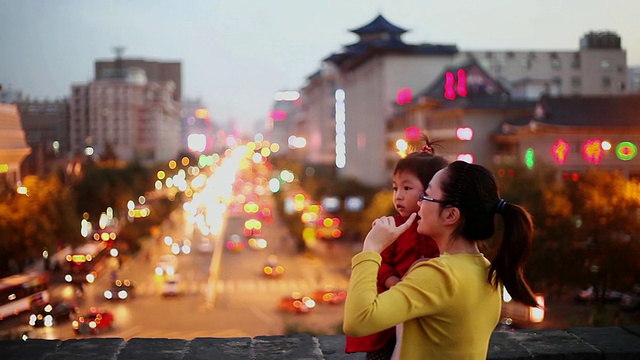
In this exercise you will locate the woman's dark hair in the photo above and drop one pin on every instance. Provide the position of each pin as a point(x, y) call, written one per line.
point(473, 190)
point(423, 164)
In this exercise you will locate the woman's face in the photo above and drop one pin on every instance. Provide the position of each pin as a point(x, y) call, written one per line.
point(429, 223)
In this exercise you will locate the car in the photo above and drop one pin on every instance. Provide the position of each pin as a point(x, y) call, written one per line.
point(119, 290)
point(167, 265)
point(297, 303)
point(181, 247)
point(171, 285)
point(204, 245)
point(257, 243)
point(329, 295)
point(272, 268)
point(50, 314)
point(93, 322)
point(235, 243)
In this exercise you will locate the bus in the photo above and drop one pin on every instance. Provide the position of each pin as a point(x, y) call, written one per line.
point(19, 292)
point(85, 263)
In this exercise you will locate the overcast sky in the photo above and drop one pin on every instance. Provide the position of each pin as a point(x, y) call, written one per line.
point(236, 53)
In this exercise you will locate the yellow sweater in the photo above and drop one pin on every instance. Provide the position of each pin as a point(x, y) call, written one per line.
point(448, 307)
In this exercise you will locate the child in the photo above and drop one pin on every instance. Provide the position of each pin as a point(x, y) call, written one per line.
point(411, 176)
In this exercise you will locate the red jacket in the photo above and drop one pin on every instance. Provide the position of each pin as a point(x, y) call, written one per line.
point(397, 258)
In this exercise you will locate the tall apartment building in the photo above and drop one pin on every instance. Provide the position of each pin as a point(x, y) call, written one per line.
point(381, 70)
point(46, 125)
point(598, 67)
point(137, 117)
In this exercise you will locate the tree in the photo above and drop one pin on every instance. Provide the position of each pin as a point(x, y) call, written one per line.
point(36, 221)
point(607, 207)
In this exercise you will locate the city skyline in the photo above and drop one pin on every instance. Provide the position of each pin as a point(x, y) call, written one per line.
point(236, 54)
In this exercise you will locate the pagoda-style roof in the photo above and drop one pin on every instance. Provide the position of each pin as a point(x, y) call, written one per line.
point(381, 37)
point(377, 26)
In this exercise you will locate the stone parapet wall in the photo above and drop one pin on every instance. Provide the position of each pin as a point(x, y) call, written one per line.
point(609, 343)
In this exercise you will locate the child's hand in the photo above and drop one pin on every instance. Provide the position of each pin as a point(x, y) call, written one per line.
point(384, 231)
point(391, 280)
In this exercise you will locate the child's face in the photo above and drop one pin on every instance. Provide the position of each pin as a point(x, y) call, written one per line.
point(407, 189)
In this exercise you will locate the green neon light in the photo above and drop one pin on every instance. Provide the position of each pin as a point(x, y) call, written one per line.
point(626, 151)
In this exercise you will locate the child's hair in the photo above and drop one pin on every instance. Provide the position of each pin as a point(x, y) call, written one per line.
point(473, 190)
point(423, 163)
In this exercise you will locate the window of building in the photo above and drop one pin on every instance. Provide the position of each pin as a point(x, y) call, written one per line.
point(575, 63)
point(556, 64)
point(526, 63)
point(576, 82)
point(606, 82)
point(605, 64)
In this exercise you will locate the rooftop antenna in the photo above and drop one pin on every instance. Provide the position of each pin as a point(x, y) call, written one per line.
point(119, 50)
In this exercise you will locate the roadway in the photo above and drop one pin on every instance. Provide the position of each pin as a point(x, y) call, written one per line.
point(223, 294)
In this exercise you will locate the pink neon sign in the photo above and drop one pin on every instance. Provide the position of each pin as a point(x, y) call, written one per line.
point(592, 151)
point(560, 151)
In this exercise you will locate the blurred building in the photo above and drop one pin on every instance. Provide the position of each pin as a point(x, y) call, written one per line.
point(13, 145)
point(9, 95)
point(476, 119)
point(154, 70)
point(138, 118)
point(283, 126)
point(574, 134)
point(598, 67)
point(46, 125)
point(199, 133)
point(351, 100)
point(634, 79)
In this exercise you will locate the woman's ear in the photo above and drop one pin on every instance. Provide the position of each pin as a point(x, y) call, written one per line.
point(451, 215)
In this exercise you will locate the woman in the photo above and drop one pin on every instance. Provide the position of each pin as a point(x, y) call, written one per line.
point(446, 307)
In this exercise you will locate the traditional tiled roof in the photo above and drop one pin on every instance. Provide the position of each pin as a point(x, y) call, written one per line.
point(482, 90)
point(589, 111)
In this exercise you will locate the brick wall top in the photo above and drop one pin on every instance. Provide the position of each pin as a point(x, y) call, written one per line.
point(610, 343)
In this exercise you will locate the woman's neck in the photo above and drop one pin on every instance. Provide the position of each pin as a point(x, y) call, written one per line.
point(459, 246)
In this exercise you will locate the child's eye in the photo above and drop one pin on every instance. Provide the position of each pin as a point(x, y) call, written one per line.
point(395, 188)
point(407, 188)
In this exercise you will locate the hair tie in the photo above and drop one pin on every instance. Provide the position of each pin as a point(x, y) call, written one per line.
point(426, 148)
point(500, 206)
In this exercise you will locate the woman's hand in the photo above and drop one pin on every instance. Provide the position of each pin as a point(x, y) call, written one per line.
point(384, 231)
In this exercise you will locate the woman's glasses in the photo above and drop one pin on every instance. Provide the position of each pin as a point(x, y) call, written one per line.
point(424, 197)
